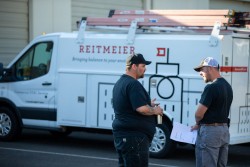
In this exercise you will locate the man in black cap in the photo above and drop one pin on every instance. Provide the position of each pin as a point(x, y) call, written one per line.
point(211, 117)
point(135, 121)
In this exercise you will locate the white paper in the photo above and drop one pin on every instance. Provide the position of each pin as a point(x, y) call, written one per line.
point(183, 133)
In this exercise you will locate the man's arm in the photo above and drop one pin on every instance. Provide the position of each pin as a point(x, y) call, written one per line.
point(199, 114)
point(148, 110)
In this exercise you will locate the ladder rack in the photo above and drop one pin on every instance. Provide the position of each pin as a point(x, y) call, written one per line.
point(226, 12)
point(160, 21)
point(173, 18)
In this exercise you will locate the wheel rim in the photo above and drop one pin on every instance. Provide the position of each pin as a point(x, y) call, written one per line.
point(5, 124)
point(158, 142)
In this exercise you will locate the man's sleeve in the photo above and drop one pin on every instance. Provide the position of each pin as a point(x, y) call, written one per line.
point(207, 96)
point(137, 96)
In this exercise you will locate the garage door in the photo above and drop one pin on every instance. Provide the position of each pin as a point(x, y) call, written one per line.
point(13, 28)
point(99, 8)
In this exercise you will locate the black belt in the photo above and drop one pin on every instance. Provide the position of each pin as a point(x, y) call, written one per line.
point(214, 124)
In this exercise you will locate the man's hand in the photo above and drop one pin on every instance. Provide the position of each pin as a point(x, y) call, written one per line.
point(158, 110)
point(195, 127)
point(153, 102)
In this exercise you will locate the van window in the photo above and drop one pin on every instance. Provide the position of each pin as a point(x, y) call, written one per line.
point(35, 62)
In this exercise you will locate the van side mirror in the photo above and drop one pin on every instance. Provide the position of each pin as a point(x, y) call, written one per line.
point(1, 69)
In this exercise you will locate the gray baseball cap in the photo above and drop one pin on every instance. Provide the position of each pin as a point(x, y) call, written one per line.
point(207, 62)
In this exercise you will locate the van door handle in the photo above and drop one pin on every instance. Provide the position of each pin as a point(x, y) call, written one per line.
point(46, 83)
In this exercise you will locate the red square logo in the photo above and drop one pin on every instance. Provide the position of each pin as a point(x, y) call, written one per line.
point(161, 51)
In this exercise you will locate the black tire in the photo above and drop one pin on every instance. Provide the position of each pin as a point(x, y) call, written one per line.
point(162, 146)
point(10, 128)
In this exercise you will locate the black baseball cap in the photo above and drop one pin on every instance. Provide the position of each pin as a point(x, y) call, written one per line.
point(136, 58)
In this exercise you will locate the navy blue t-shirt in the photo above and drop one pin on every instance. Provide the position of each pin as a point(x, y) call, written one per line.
point(128, 95)
point(218, 97)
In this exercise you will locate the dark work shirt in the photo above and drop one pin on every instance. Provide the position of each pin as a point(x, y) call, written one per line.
point(217, 97)
point(128, 95)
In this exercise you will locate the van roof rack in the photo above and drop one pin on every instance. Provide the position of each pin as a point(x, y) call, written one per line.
point(198, 19)
point(226, 12)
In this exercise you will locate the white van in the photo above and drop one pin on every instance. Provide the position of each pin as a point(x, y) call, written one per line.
point(63, 82)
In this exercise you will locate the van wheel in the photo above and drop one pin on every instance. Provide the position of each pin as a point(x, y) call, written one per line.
point(162, 146)
point(9, 125)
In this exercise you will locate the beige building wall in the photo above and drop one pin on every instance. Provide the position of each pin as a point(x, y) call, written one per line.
point(48, 16)
point(180, 4)
point(100, 8)
point(13, 28)
point(238, 5)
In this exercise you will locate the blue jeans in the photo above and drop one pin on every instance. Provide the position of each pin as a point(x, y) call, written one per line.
point(212, 146)
point(133, 151)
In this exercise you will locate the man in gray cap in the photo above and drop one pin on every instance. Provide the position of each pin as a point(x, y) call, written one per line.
point(135, 115)
point(211, 117)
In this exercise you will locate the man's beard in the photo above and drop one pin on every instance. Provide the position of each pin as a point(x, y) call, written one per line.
point(141, 76)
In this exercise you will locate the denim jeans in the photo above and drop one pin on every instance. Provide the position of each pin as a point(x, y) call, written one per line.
point(212, 146)
point(133, 151)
